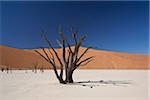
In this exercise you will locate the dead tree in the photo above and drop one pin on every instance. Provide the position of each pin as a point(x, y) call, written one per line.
point(42, 69)
point(7, 70)
point(70, 60)
point(35, 65)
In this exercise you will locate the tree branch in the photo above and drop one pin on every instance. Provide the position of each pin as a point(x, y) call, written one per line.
point(59, 43)
point(74, 35)
point(53, 49)
point(86, 62)
point(54, 67)
point(82, 54)
point(46, 54)
point(89, 58)
point(51, 53)
point(41, 55)
point(48, 41)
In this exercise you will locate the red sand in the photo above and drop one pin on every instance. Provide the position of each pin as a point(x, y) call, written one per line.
point(25, 59)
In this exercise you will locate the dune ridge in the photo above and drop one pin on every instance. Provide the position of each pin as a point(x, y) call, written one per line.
point(25, 59)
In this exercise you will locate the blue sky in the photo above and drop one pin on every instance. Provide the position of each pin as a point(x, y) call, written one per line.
point(115, 26)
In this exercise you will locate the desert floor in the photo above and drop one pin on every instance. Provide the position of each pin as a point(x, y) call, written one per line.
point(99, 85)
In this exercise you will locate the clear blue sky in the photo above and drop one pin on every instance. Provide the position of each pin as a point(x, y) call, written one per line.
point(116, 26)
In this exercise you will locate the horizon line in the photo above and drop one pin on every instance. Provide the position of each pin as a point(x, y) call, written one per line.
point(72, 46)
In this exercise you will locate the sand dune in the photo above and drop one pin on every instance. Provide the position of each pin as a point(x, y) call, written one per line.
point(25, 59)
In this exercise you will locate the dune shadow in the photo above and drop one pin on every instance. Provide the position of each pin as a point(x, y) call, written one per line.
point(92, 84)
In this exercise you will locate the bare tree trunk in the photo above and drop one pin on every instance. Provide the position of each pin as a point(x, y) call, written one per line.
point(70, 77)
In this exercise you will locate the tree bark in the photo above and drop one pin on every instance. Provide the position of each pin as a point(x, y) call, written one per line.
point(69, 77)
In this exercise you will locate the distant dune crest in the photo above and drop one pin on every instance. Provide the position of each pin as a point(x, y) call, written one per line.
point(25, 59)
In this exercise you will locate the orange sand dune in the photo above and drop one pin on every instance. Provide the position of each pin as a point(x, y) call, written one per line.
point(25, 59)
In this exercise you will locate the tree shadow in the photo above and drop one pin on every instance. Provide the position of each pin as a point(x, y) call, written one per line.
point(92, 84)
